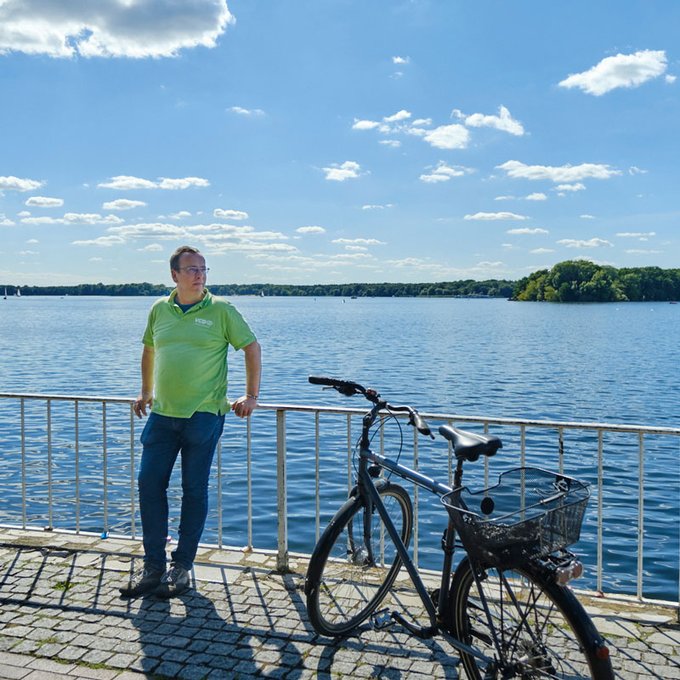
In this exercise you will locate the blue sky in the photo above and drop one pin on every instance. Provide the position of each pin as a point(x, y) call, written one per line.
point(321, 141)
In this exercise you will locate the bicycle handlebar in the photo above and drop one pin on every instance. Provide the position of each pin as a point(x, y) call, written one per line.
point(350, 388)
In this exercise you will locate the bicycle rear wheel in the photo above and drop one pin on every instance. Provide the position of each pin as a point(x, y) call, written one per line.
point(344, 585)
point(534, 628)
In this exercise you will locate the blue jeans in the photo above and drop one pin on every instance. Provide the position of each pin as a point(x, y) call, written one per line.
point(163, 439)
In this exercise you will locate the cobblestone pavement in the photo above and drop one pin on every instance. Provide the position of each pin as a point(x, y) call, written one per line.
point(61, 617)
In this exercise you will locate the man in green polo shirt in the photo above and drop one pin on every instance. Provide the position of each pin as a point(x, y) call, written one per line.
point(184, 381)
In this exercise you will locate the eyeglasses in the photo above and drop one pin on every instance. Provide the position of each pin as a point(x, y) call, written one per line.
point(194, 270)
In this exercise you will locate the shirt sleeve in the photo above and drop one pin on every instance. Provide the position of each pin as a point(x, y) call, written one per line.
point(147, 338)
point(238, 333)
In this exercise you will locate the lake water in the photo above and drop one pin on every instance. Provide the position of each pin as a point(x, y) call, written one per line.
point(587, 363)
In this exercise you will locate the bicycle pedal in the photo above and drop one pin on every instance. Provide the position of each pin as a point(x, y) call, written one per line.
point(382, 619)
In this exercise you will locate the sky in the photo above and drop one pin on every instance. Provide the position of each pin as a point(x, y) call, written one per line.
point(335, 141)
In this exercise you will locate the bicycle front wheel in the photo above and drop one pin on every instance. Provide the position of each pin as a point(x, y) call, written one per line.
point(529, 625)
point(349, 576)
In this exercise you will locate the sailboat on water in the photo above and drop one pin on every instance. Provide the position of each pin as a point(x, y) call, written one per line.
point(5, 293)
point(18, 292)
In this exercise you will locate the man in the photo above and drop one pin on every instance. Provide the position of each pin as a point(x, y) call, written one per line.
point(184, 381)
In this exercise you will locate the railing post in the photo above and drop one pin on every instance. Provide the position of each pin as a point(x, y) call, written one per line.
point(23, 464)
point(641, 513)
point(249, 479)
point(105, 465)
point(281, 492)
point(600, 506)
point(50, 500)
point(132, 471)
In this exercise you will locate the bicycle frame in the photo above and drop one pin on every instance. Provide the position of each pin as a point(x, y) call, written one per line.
point(368, 488)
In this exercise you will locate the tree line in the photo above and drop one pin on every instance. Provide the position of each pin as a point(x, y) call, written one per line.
point(570, 281)
point(467, 288)
point(585, 281)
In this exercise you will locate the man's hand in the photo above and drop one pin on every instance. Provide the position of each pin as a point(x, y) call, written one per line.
point(244, 406)
point(143, 400)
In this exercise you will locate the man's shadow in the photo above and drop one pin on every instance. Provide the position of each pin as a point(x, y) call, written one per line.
point(189, 631)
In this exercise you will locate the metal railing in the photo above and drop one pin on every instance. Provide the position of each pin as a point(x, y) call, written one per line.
point(76, 462)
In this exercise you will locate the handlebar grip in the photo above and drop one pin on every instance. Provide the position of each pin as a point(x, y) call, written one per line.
point(320, 380)
point(345, 387)
point(422, 427)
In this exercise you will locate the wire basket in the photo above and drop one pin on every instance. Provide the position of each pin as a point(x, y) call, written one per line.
point(530, 513)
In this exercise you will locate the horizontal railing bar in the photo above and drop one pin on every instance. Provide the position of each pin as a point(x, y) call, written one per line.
point(445, 417)
point(551, 424)
point(70, 397)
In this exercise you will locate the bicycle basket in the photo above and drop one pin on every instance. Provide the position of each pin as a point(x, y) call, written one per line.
point(530, 513)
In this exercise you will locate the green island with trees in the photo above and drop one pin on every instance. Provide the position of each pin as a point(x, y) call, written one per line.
point(585, 281)
point(570, 281)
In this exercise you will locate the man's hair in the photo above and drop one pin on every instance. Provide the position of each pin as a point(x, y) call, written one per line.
point(174, 258)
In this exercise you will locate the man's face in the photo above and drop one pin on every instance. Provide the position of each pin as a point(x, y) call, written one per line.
point(190, 277)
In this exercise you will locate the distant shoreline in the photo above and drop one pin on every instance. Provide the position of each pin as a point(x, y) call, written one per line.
point(569, 281)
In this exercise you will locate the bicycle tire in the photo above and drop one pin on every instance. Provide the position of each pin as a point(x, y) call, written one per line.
point(542, 630)
point(342, 588)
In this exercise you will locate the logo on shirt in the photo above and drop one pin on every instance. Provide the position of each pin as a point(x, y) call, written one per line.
point(204, 322)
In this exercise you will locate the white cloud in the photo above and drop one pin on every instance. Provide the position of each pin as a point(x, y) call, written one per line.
point(394, 143)
point(182, 183)
point(250, 113)
point(503, 121)
point(590, 243)
point(122, 204)
point(636, 234)
point(623, 70)
point(180, 215)
point(110, 28)
point(541, 251)
point(5, 222)
point(91, 218)
point(42, 220)
point(399, 115)
point(151, 248)
point(488, 216)
point(448, 137)
point(339, 172)
point(527, 230)
point(578, 186)
point(401, 60)
point(12, 183)
point(443, 173)
point(45, 202)
point(637, 251)
point(230, 214)
point(102, 241)
point(587, 217)
point(561, 173)
point(537, 196)
point(377, 207)
point(634, 170)
point(670, 79)
point(365, 124)
point(128, 182)
point(310, 230)
point(505, 198)
point(359, 241)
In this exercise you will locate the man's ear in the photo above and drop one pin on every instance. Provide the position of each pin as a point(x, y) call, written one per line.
point(173, 273)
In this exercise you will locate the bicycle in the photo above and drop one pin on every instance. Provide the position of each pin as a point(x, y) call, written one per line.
point(506, 607)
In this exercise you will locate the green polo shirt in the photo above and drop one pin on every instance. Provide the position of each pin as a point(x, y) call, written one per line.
point(190, 354)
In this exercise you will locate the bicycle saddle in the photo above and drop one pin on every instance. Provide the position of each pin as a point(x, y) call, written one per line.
point(469, 445)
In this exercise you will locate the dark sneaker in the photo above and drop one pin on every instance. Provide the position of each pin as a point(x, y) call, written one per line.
point(142, 582)
point(174, 582)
